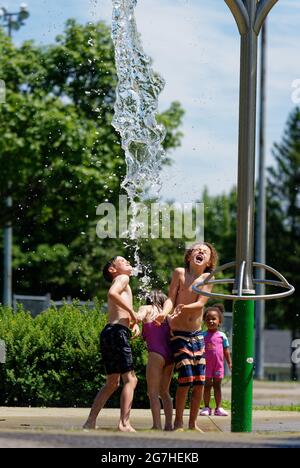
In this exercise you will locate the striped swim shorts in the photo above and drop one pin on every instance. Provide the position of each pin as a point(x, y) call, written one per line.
point(189, 354)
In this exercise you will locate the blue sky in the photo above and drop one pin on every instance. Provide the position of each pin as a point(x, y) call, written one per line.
point(195, 47)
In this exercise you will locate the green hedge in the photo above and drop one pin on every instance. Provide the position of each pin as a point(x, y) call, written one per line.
point(54, 360)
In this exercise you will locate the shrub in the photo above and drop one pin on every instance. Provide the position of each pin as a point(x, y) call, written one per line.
point(54, 359)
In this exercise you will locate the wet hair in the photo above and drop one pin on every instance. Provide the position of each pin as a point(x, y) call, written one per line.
point(156, 298)
point(213, 259)
point(219, 308)
point(106, 273)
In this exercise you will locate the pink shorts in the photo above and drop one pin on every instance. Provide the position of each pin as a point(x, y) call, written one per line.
point(214, 370)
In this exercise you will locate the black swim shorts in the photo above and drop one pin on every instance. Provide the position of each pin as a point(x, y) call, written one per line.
point(115, 349)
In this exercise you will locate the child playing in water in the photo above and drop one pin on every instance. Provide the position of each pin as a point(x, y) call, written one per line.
point(216, 348)
point(160, 360)
point(115, 345)
point(186, 339)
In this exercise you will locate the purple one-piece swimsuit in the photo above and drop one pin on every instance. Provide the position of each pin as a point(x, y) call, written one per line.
point(158, 340)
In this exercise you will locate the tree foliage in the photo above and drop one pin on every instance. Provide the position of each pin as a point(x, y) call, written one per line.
point(284, 218)
point(60, 157)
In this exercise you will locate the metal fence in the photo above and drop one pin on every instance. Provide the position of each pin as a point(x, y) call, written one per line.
point(38, 304)
point(227, 326)
point(2, 352)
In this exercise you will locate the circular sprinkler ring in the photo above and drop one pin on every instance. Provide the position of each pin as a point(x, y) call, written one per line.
point(239, 294)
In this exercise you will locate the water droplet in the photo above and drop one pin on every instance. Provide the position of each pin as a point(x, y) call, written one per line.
point(135, 119)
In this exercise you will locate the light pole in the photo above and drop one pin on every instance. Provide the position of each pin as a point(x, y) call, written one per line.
point(261, 219)
point(13, 22)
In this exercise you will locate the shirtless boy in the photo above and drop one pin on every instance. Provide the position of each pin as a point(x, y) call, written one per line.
point(185, 323)
point(115, 346)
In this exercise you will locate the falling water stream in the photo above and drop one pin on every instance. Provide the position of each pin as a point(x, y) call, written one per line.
point(135, 118)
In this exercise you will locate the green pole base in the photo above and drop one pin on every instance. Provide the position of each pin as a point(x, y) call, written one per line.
point(243, 366)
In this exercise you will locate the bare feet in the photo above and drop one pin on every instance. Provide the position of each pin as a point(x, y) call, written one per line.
point(125, 428)
point(89, 426)
point(168, 429)
point(178, 425)
point(196, 428)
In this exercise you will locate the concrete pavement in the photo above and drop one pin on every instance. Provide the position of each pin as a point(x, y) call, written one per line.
point(271, 393)
point(52, 427)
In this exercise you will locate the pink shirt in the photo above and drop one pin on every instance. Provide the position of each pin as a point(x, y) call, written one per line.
point(215, 343)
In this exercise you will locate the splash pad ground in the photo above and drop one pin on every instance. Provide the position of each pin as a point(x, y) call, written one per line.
point(61, 427)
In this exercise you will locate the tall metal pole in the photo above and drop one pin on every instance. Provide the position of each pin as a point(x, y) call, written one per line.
point(7, 254)
point(13, 21)
point(250, 16)
point(8, 235)
point(243, 317)
point(261, 219)
point(247, 141)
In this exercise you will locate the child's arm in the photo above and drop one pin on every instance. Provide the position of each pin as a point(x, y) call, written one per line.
point(135, 331)
point(227, 356)
point(142, 313)
point(171, 301)
point(173, 291)
point(226, 348)
point(119, 285)
point(196, 306)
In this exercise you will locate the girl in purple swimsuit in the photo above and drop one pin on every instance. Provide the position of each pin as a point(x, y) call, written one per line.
point(160, 360)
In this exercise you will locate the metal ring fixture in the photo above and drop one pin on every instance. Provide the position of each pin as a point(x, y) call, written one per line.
point(242, 295)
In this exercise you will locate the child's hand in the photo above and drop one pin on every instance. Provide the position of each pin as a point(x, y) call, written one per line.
point(135, 318)
point(135, 331)
point(159, 319)
point(178, 309)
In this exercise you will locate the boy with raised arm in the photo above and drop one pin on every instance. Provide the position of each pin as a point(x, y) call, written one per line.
point(186, 323)
point(115, 344)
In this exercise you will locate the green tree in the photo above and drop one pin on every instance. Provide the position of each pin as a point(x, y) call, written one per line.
point(62, 156)
point(220, 223)
point(284, 220)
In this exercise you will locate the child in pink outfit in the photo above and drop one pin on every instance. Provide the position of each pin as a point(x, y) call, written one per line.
point(160, 359)
point(216, 348)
